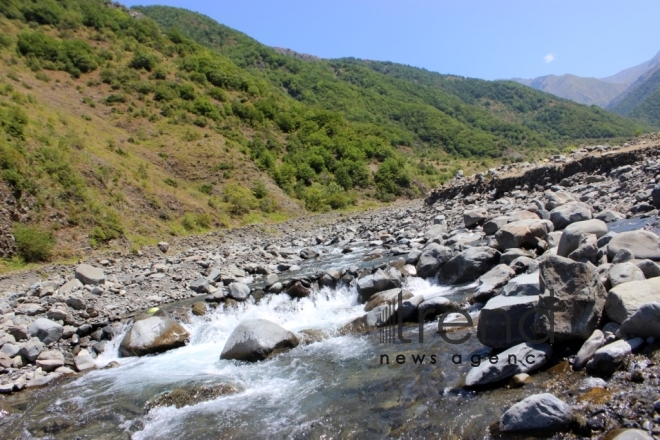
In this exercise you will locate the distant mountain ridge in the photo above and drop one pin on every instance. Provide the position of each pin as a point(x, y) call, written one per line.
point(604, 92)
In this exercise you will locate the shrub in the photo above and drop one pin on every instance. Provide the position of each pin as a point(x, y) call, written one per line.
point(143, 60)
point(240, 199)
point(33, 244)
point(206, 188)
point(259, 190)
point(170, 182)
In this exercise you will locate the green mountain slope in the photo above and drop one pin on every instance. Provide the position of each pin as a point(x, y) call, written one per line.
point(459, 115)
point(642, 100)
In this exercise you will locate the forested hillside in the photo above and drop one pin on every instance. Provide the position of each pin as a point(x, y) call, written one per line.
point(642, 101)
point(118, 127)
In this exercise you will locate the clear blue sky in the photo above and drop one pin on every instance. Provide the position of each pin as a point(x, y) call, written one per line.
point(488, 39)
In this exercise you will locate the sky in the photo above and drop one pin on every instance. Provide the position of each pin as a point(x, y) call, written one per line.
point(489, 39)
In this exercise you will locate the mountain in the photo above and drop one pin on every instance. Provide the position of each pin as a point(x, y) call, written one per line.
point(120, 129)
point(642, 100)
point(603, 92)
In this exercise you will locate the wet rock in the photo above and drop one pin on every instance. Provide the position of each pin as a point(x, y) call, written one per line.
point(492, 280)
point(609, 358)
point(89, 274)
point(298, 290)
point(388, 296)
point(276, 288)
point(84, 361)
point(189, 396)
point(644, 323)
point(595, 341)
point(239, 291)
point(569, 213)
point(40, 381)
point(431, 259)
point(475, 217)
point(46, 330)
point(271, 279)
point(572, 301)
point(523, 234)
point(624, 273)
point(308, 254)
point(470, 264)
point(50, 360)
point(522, 358)
point(377, 282)
point(256, 339)
point(434, 306)
point(537, 412)
point(506, 321)
point(199, 308)
point(153, 335)
point(643, 244)
point(625, 299)
point(570, 238)
point(31, 349)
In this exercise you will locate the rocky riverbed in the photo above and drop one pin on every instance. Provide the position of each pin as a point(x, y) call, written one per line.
point(215, 328)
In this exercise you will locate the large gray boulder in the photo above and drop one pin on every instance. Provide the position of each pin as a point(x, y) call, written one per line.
point(506, 321)
point(155, 334)
point(432, 257)
point(572, 301)
point(522, 358)
point(643, 244)
point(624, 273)
point(569, 213)
point(493, 225)
point(200, 285)
point(559, 198)
point(435, 231)
point(625, 299)
point(475, 217)
point(470, 264)
point(386, 297)
point(256, 339)
point(539, 412)
point(31, 349)
point(645, 322)
point(239, 291)
point(70, 286)
point(609, 358)
point(50, 360)
point(89, 274)
point(46, 330)
point(492, 280)
point(523, 234)
point(308, 254)
point(648, 268)
point(523, 285)
point(629, 434)
point(377, 282)
point(595, 341)
point(655, 196)
point(609, 216)
point(434, 306)
point(570, 238)
point(84, 361)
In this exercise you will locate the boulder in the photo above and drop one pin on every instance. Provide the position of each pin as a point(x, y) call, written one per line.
point(76, 302)
point(539, 412)
point(556, 199)
point(377, 282)
point(609, 358)
point(643, 244)
point(629, 434)
point(522, 358)
point(644, 323)
point(256, 339)
point(506, 321)
point(11, 350)
point(655, 195)
point(46, 330)
point(522, 264)
point(432, 257)
point(308, 254)
point(272, 279)
point(649, 268)
point(239, 291)
point(492, 280)
point(572, 300)
point(50, 360)
point(569, 213)
point(523, 234)
point(84, 361)
point(470, 264)
point(523, 285)
point(624, 273)
point(609, 216)
point(31, 349)
point(570, 238)
point(625, 299)
point(513, 253)
point(298, 290)
point(624, 255)
point(413, 256)
point(434, 306)
point(435, 231)
point(153, 335)
point(522, 215)
point(200, 285)
point(89, 274)
point(494, 225)
point(595, 341)
point(388, 296)
point(587, 249)
point(70, 286)
point(474, 217)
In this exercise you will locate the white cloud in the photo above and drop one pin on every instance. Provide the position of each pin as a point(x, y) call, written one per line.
point(549, 58)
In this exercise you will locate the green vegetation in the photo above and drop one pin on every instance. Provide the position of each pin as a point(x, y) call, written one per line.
point(642, 102)
point(33, 244)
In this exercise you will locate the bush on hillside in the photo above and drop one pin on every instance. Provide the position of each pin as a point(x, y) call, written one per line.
point(32, 243)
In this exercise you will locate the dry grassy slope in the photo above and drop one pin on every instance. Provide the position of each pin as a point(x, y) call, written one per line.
point(133, 182)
